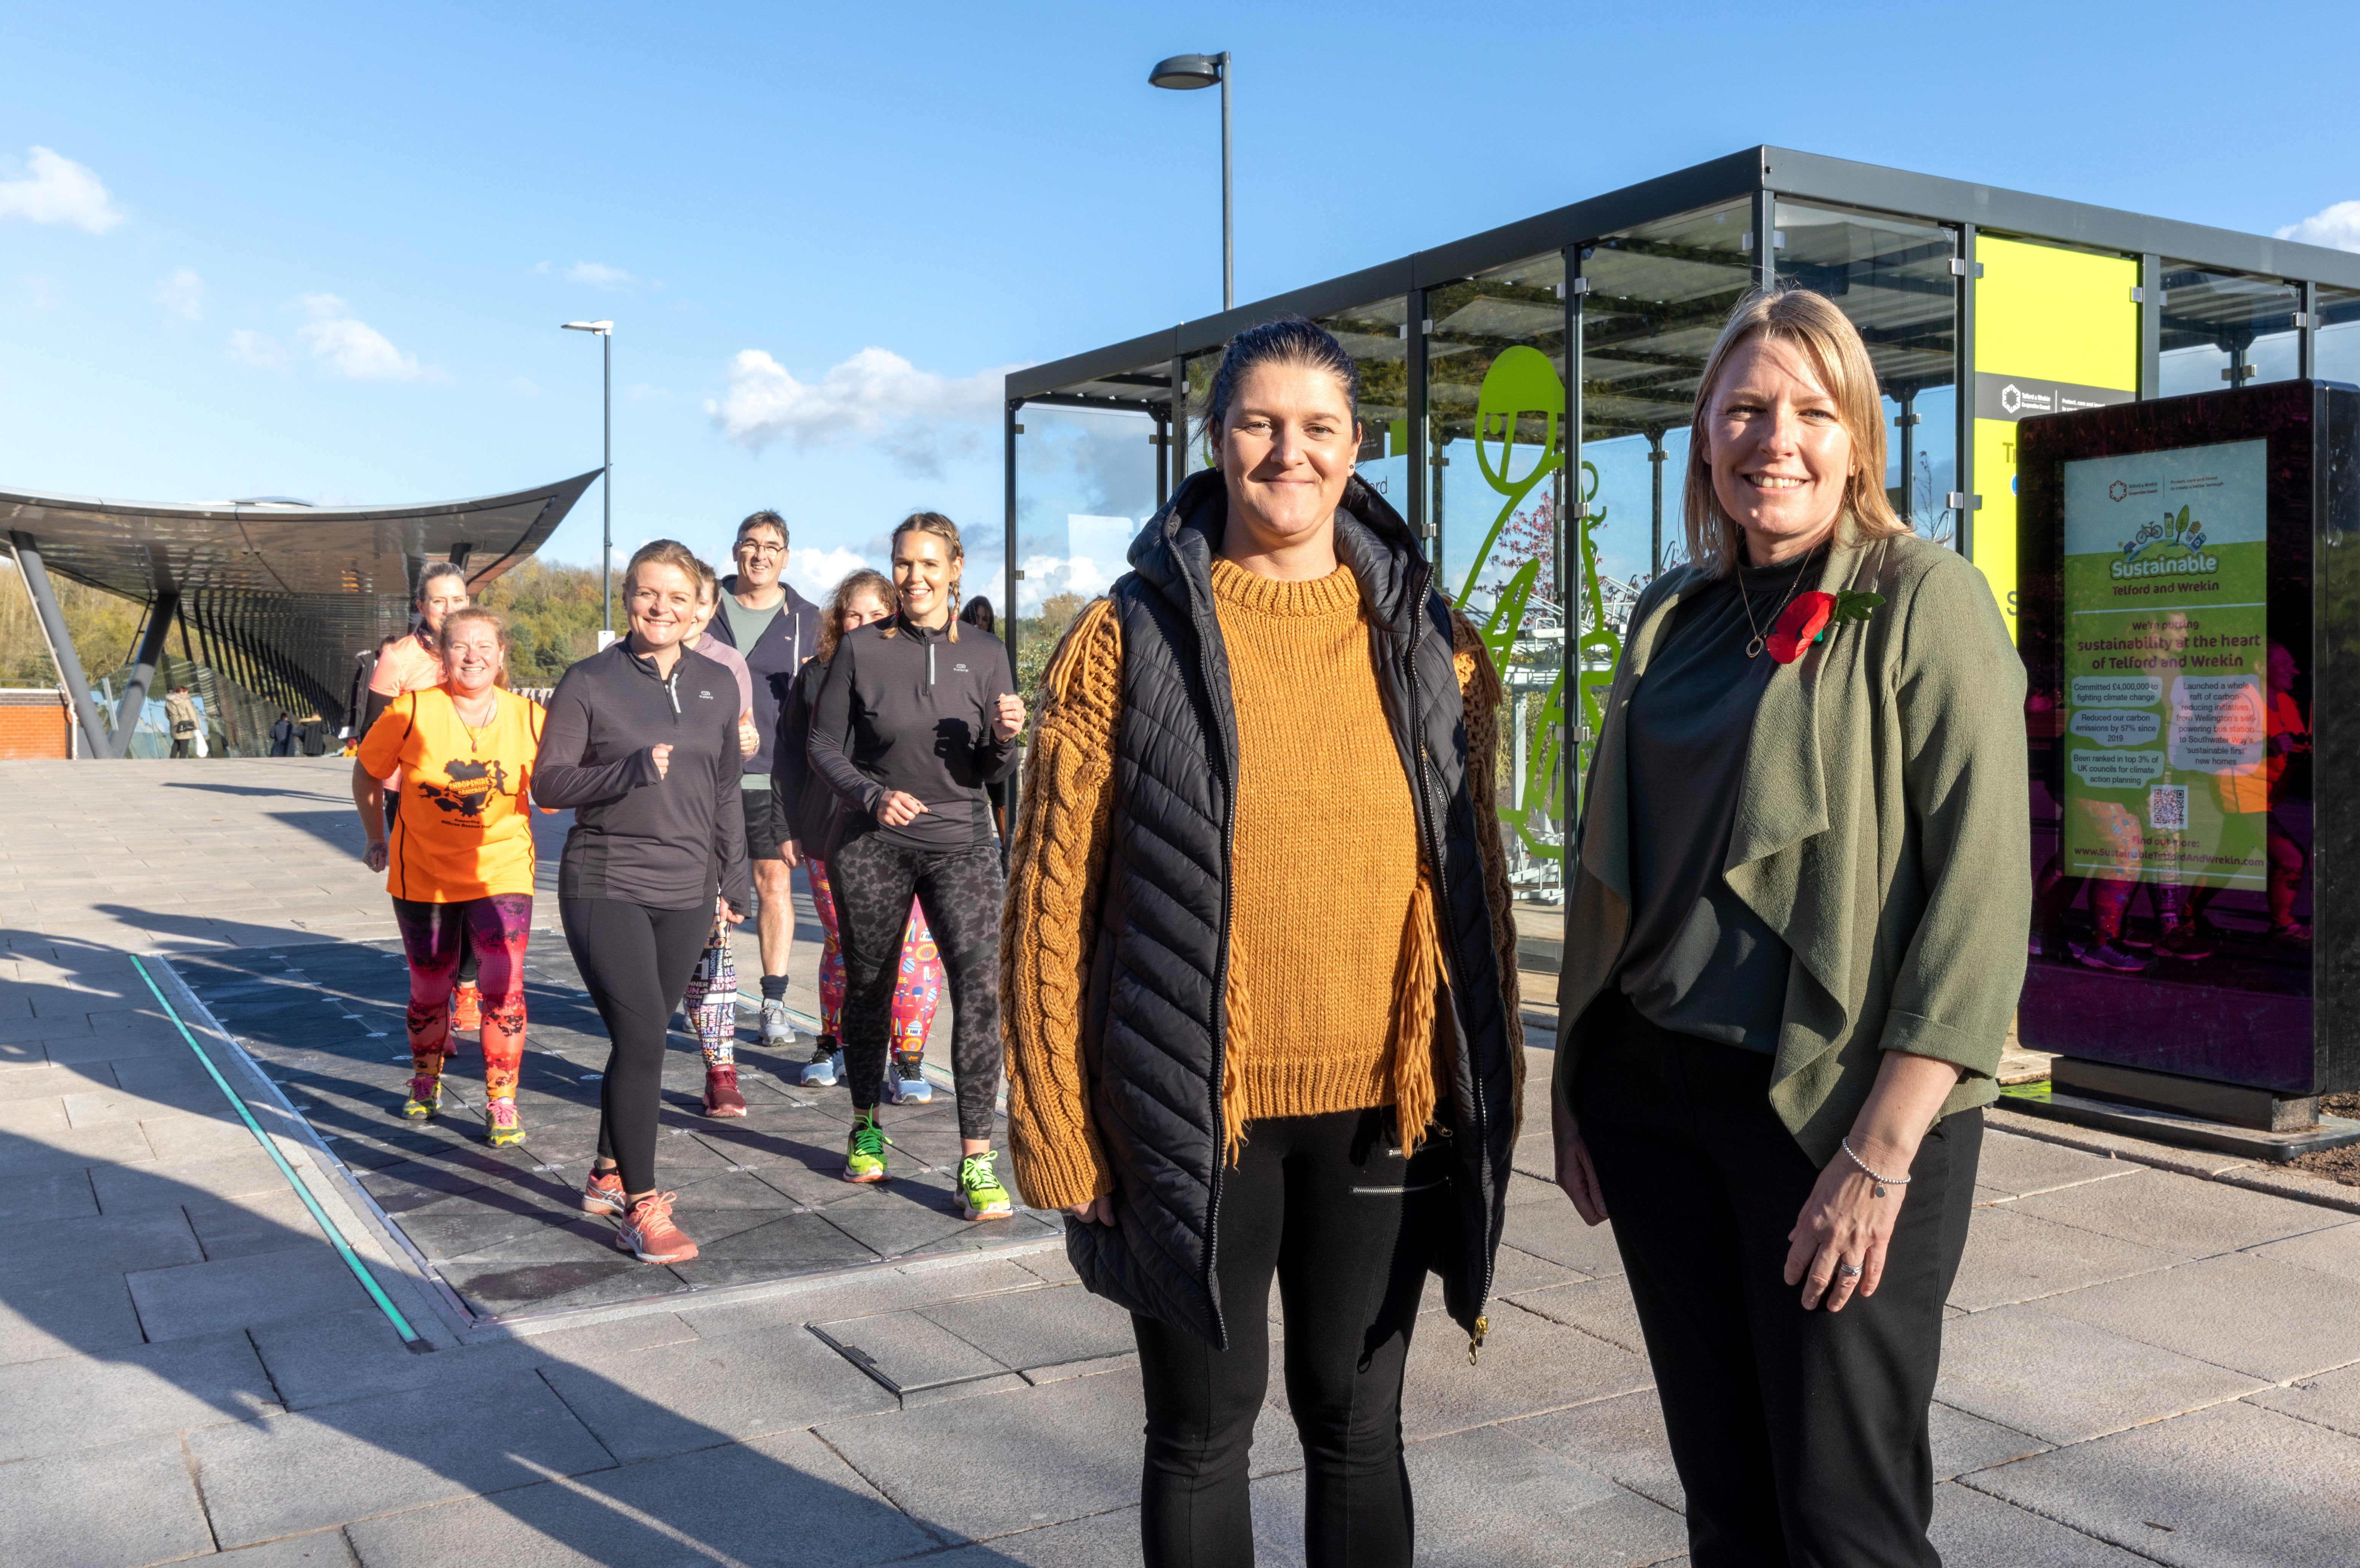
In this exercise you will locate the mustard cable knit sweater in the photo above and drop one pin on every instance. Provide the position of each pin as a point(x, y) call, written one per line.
point(1333, 953)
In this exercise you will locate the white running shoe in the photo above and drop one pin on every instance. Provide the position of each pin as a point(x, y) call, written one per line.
point(776, 1033)
point(822, 1069)
point(905, 1083)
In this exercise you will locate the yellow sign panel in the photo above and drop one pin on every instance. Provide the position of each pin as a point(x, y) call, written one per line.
point(2055, 329)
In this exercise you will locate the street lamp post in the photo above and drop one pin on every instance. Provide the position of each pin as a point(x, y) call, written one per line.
point(606, 333)
point(1185, 73)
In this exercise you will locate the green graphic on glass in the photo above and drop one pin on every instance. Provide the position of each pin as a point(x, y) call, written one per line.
point(1522, 386)
point(2166, 667)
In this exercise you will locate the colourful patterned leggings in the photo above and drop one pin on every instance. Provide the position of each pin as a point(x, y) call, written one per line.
point(712, 1004)
point(917, 990)
point(500, 927)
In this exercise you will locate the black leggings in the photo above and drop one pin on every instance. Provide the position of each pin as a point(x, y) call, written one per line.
point(960, 890)
point(1330, 1206)
point(635, 962)
point(1799, 1436)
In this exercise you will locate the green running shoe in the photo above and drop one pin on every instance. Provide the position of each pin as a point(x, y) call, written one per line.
point(425, 1096)
point(864, 1153)
point(979, 1189)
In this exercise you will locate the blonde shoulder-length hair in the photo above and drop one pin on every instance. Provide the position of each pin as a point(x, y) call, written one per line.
point(1812, 322)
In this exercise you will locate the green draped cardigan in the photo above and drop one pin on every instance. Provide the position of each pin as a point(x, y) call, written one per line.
point(1882, 831)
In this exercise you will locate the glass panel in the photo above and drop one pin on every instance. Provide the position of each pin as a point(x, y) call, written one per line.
point(1892, 276)
point(1658, 295)
point(1085, 482)
point(1495, 418)
point(1371, 335)
point(2225, 329)
point(2337, 355)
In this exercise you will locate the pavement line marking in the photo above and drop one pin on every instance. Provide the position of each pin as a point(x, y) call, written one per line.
point(343, 1248)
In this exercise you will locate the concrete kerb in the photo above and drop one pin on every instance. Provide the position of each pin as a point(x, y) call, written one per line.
point(432, 1307)
point(2205, 1167)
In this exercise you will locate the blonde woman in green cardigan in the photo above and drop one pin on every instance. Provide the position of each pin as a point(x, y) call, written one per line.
point(1795, 934)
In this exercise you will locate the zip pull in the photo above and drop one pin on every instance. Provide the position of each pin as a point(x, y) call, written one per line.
point(930, 666)
point(1475, 1340)
point(671, 689)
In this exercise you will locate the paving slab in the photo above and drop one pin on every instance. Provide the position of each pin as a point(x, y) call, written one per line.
point(2329, 1398)
point(2014, 1256)
point(45, 1081)
point(907, 1352)
point(2016, 1167)
point(2064, 1381)
point(1093, 1541)
point(319, 1548)
point(2270, 1320)
point(1600, 1308)
point(1528, 1364)
point(2233, 1484)
point(1555, 1231)
point(1486, 1497)
point(73, 1148)
point(68, 1510)
point(41, 1316)
point(1027, 1330)
point(673, 1398)
point(1974, 1529)
point(2179, 1218)
point(239, 1227)
point(1964, 1443)
point(2335, 1251)
point(243, 1171)
point(793, 1504)
point(70, 1402)
point(1621, 1438)
point(58, 1195)
point(1058, 1451)
point(334, 1462)
point(241, 1292)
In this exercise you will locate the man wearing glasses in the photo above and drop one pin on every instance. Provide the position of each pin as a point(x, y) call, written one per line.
point(774, 628)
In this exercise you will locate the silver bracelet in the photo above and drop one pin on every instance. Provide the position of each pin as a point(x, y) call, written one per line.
point(1882, 1180)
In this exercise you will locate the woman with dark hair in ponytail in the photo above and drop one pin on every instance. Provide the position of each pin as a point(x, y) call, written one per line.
point(916, 716)
point(1204, 1039)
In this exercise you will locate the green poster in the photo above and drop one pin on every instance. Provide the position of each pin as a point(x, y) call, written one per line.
point(2165, 666)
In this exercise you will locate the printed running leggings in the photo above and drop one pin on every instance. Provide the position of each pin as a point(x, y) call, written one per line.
point(917, 993)
point(634, 960)
point(712, 1004)
point(873, 882)
point(432, 935)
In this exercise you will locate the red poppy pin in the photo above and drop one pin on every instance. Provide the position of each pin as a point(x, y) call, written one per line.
point(1809, 619)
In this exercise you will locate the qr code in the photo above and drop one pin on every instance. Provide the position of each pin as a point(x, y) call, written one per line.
point(2167, 808)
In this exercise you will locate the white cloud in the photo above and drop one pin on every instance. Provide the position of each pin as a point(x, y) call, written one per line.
point(58, 191)
point(876, 395)
point(258, 350)
point(182, 293)
point(599, 275)
point(815, 573)
point(352, 349)
point(2337, 226)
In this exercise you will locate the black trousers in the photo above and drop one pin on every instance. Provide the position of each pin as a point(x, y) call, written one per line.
point(635, 962)
point(1800, 1436)
point(960, 891)
point(1331, 1207)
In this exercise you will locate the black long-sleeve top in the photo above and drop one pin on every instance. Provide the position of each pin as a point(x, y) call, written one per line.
point(810, 809)
point(905, 708)
point(661, 840)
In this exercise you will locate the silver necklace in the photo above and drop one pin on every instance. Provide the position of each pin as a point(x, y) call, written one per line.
point(1753, 648)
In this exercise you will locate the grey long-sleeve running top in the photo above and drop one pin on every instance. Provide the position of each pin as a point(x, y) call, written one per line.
point(912, 711)
point(660, 840)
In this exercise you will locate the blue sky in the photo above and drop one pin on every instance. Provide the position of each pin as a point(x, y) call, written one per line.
point(324, 251)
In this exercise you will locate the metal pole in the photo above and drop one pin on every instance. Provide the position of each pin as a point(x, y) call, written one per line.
point(61, 648)
point(1229, 251)
point(143, 669)
point(1655, 455)
point(607, 484)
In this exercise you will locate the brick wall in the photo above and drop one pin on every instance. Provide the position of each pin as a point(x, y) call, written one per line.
point(34, 724)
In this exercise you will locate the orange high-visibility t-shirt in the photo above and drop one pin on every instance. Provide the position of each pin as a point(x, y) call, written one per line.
point(464, 830)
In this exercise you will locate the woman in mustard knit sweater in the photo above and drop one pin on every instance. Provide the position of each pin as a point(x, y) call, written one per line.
point(1260, 979)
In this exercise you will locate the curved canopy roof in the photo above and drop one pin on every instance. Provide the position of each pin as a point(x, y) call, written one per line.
point(297, 590)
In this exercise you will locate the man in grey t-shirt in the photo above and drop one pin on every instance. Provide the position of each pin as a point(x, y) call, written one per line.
point(774, 629)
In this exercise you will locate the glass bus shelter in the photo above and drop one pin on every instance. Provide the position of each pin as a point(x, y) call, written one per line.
point(1527, 395)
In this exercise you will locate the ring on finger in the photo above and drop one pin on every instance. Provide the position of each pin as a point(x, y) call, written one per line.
point(1849, 1270)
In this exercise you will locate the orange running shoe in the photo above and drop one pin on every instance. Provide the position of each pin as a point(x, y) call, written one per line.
point(651, 1236)
point(721, 1095)
point(603, 1194)
point(467, 1008)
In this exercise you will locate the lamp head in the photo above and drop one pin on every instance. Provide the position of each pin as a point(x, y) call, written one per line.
point(603, 329)
point(1184, 72)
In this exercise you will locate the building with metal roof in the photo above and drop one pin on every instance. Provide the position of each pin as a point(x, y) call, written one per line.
point(268, 601)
